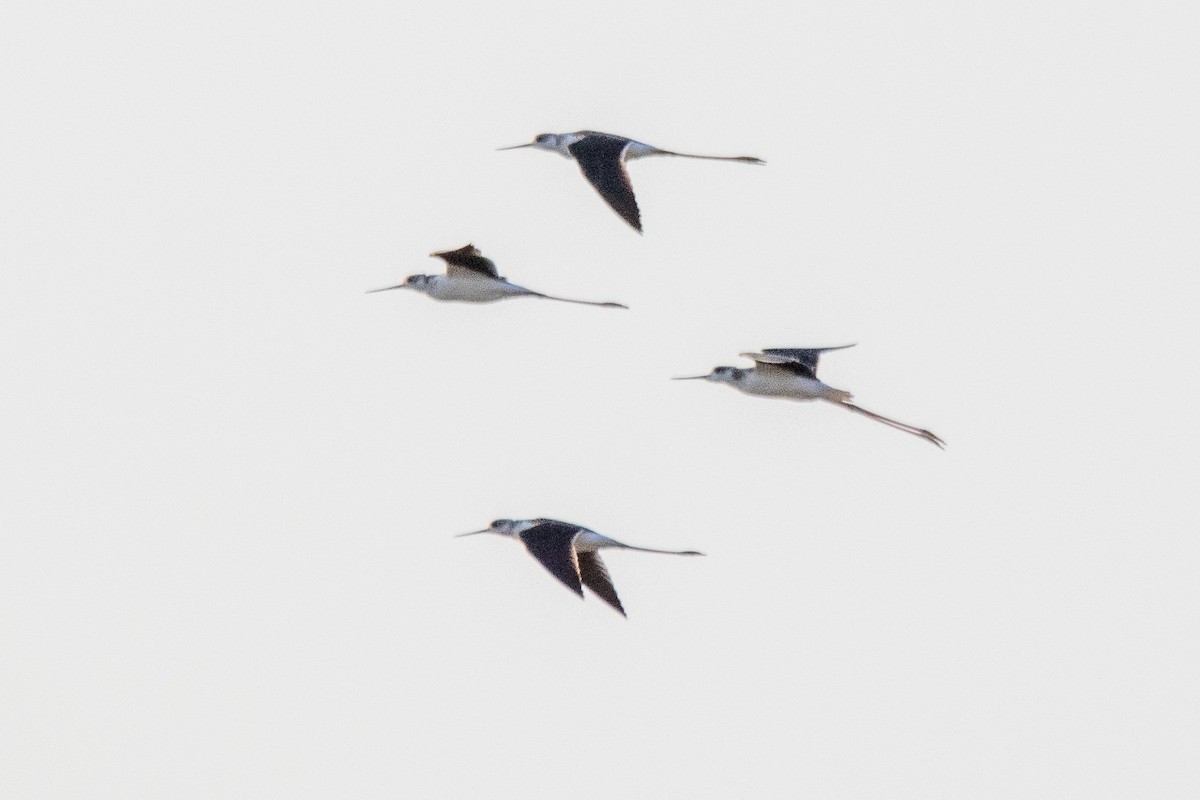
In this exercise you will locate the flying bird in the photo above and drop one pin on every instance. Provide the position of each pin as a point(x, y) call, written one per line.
point(570, 553)
point(472, 278)
point(602, 157)
point(791, 372)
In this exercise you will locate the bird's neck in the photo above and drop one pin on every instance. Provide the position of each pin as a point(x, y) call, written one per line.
point(426, 283)
point(561, 143)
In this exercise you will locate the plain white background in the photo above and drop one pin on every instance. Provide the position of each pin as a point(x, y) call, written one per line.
point(231, 478)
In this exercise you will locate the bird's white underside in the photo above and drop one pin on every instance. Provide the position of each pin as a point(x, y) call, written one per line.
point(780, 383)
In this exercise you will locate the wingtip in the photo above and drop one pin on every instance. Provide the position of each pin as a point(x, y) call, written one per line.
point(634, 220)
point(468, 249)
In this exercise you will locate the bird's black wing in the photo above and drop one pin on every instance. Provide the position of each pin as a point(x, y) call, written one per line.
point(553, 544)
point(595, 576)
point(468, 259)
point(799, 360)
point(600, 160)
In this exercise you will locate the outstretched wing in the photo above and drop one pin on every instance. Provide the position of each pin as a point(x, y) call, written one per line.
point(600, 159)
point(595, 577)
point(553, 544)
point(797, 360)
point(468, 260)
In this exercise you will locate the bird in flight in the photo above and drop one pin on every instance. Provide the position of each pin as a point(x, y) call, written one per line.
point(570, 553)
point(472, 278)
point(791, 372)
point(602, 157)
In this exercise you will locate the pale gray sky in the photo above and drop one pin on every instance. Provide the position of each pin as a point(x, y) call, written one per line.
point(231, 478)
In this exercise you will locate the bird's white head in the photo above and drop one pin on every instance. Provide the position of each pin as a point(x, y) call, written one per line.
point(554, 142)
point(718, 375)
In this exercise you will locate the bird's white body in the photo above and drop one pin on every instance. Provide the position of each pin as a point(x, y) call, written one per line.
point(468, 289)
point(775, 383)
point(588, 541)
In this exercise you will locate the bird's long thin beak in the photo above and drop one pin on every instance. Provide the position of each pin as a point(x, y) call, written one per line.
point(472, 533)
point(516, 146)
point(691, 378)
point(387, 288)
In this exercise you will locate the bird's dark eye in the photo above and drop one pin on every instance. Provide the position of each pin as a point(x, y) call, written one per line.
point(497, 523)
point(542, 137)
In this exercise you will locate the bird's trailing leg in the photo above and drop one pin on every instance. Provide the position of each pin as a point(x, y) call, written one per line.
point(667, 552)
point(743, 159)
point(580, 302)
point(915, 431)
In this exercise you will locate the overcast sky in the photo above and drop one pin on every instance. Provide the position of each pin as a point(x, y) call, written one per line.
point(231, 478)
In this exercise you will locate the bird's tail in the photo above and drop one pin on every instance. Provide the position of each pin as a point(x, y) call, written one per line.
point(579, 302)
point(743, 159)
point(838, 395)
point(892, 423)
